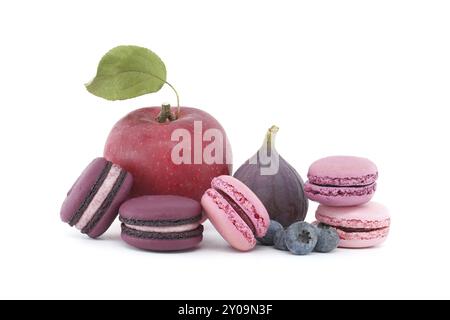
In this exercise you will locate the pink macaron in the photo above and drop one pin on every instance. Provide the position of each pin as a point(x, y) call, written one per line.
point(236, 212)
point(361, 226)
point(341, 181)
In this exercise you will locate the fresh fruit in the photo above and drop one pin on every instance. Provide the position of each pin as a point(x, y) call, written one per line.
point(143, 144)
point(268, 239)
point(279, 240)
point(328, 239)
point(275, 182)
point(301, 238)
point(168, 151)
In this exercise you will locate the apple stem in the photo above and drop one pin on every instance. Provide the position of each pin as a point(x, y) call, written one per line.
point(178, 99)
point(270, 138)
point(165, 114)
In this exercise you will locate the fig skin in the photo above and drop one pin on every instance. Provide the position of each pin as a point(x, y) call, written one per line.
point(282, 193)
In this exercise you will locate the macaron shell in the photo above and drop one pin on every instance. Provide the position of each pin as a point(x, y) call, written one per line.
point(343, 170)
point(160, 207)
point(360, 239)
point(340, 196)
point(360, 243)
point(227, 222)
point(161, 244)
point(165, 229)
point(111, 213)
point(81, 188)
point(368, 216)
point(247, 200)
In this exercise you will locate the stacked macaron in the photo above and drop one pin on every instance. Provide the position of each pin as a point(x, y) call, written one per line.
point(344, 186)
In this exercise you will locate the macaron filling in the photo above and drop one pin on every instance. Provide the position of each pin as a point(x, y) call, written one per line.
point(98, 183)
point(99, 198)
point(358, 224)
point(160, 223)
point(238, 210)
point(231, 215)
point(336, 191)
point(346, 233)
point(347, 181)
point(162, 235)
point(243, 207)
point(164, 229)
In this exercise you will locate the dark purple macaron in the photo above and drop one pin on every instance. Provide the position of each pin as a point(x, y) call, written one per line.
point(161, 223)
point(93, 201)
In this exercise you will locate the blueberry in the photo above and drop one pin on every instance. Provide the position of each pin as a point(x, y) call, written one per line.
point(301, 238)
point(267, 240)
point(278, 240)
point(328, 240)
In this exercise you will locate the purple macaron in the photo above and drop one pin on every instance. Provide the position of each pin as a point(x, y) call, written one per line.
point(93, 201)
point(341, 181)
point(161, 223)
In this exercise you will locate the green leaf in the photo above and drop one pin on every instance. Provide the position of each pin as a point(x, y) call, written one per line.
point(127, 72)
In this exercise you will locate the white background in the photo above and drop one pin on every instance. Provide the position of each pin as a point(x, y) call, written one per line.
point(367, 78)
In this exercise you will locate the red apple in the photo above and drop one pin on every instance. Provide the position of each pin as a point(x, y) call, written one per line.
point(146, 141)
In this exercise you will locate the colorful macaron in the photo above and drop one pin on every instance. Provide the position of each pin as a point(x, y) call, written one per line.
point(236, 212)
point(93, 201)
point(341, 181)
point(161, 223)
point(358, 226)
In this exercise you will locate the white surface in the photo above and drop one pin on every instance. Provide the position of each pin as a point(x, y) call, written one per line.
point(368, 78)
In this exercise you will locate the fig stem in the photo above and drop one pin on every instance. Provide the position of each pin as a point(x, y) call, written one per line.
point(165, 114)
point(177, 114)
point(269, 137)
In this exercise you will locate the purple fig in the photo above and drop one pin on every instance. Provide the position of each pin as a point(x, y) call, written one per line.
point(275, 182)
